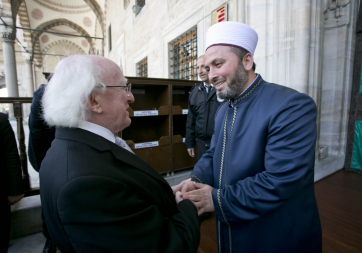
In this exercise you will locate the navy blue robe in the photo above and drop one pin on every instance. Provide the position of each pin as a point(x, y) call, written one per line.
point(261, 165)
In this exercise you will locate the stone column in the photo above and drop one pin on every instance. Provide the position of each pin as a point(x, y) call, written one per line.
point(302, 44)
point(28, 83)
point(28, 77)
point(11, 78)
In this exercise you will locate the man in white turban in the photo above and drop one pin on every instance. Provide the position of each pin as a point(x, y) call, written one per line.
point(258, 175)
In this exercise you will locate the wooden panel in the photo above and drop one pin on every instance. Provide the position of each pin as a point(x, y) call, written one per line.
point(156, 94)
point(145, 129)
point(180, 96)
point(149, 97)
point(181, 158)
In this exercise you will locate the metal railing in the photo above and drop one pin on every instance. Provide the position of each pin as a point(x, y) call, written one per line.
point(18, 114)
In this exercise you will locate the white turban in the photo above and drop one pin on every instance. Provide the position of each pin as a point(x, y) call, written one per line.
point(229, 33)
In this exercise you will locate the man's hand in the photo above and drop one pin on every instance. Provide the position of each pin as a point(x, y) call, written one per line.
point(177, 197)
point(178, 187)
point(188, 186)
point(191, 152)
point(201, 197)
point(13, 199)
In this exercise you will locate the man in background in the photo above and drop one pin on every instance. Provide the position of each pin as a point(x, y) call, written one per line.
point(40, 134)
point(203, 103)
point(12, 187)
point(96, 194)
point(40, 139)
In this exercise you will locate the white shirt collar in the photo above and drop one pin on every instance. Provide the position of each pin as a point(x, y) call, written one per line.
point(98, 130)
point(210, 85)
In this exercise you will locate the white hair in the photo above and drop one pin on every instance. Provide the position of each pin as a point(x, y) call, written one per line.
point(66, 94)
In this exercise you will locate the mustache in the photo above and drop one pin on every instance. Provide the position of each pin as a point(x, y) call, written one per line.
point(216, 80)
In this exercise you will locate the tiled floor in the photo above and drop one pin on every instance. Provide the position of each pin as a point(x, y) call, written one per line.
point(28, 244)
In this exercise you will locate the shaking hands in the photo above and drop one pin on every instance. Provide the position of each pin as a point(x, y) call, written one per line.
point(199, 194)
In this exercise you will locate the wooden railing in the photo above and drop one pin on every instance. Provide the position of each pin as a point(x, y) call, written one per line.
point(18, 114)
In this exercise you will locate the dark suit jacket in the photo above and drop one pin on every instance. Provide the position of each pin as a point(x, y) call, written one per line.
point(98, 197)
point(40, 134)
point(201, 115)
point(9, 160)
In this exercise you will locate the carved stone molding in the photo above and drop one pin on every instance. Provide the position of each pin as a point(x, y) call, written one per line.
point(8, 37)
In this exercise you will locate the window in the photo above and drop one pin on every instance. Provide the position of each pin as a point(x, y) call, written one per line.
point(138, 6)
point(140, 3)
point(184, 56)
point(109, 38)
point(142, 68)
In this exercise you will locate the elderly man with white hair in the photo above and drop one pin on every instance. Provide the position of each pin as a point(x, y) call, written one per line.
point(258, 175)
point(96, 194)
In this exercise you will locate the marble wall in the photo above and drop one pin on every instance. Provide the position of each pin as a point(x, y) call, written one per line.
point(307, 45)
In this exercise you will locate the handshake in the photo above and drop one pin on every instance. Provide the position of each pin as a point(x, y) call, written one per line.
point(199, 194)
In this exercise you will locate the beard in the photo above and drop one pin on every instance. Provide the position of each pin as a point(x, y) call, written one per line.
point(236, 84)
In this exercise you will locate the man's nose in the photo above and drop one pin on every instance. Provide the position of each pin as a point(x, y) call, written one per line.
point(212, 75)
point(130, 98)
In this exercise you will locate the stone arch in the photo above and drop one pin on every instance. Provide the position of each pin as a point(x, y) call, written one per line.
point(24, 22)
point(93, 4)
point(58, 22)
point(63, 41)
point(8, 12)
point(15, 4)
point(56, 58)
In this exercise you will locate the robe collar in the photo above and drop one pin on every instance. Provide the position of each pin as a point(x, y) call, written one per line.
point(247, 92)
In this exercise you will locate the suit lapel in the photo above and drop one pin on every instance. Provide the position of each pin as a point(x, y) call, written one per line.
point(133, 160)
point(211, 93)
point(102, 144)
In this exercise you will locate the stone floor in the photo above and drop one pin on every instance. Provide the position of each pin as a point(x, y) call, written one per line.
point(28, 244)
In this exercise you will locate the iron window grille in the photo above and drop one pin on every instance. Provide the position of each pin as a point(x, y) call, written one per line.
point(142, 68)
point(140, 3)
point(184, 56)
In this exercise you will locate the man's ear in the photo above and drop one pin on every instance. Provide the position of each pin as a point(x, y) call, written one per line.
point(248, 61)
point(93, 103)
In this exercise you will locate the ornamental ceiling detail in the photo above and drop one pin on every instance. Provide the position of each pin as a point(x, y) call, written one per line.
point(78, 24)
point(37, 14)
point(66, 9)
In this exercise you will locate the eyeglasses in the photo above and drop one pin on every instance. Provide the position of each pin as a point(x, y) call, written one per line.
point(128, 87)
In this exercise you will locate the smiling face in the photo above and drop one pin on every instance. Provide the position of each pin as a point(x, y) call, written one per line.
point(113, 102)
point(226, 71)
point(201, 71)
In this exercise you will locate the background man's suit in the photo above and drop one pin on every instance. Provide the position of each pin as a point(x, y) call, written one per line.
point(40, 139)
point(11, 171)
point(105, 199)
point(40, 134)
point(200, 118)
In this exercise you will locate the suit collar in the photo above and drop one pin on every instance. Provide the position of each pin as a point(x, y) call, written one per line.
point(102, 144)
